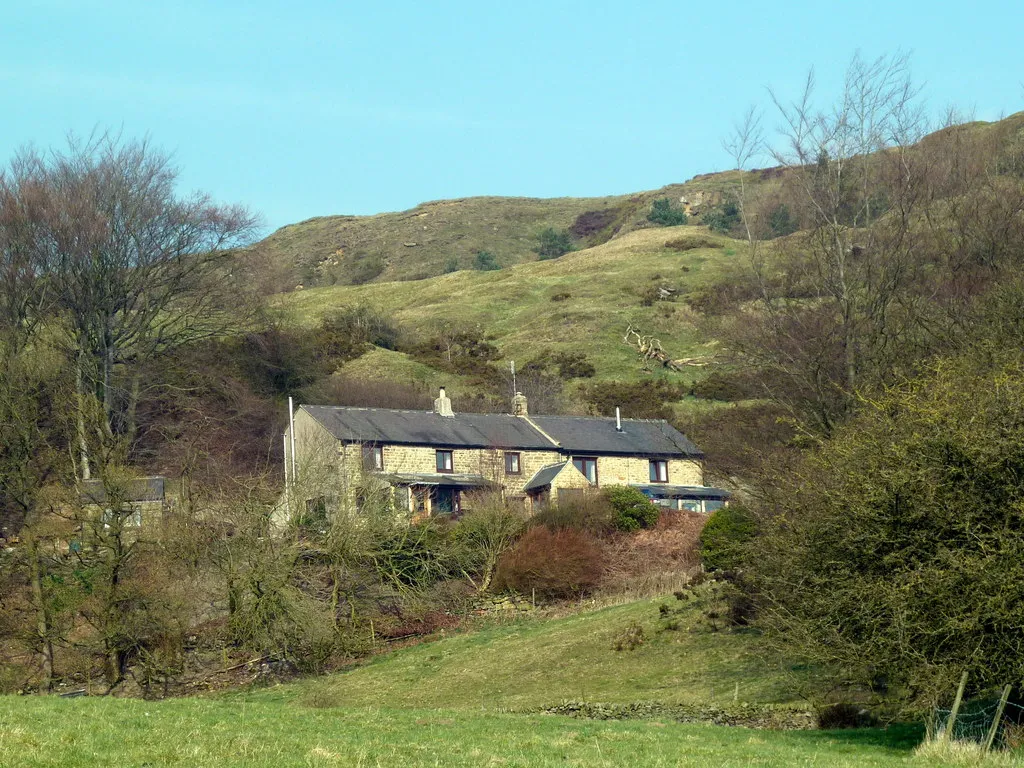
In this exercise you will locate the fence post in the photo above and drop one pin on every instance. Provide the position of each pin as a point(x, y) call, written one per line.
point(999, 716)
point(948, 735)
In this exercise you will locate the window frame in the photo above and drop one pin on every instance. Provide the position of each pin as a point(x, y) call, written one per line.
point(654, 473)
point(373, 457)
point(516, 458)
point(444, 468)
point(582, 469)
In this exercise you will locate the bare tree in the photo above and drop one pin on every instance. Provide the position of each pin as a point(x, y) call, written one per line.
point(841, 291)
point(127, 267)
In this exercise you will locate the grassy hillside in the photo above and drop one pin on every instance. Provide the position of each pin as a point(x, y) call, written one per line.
point(582, 301)
point(440, 236)
point(534, 664)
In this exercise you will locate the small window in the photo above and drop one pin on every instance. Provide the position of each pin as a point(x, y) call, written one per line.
point(373, 457)
point(659, 471)
point(444, 461)
point(512, 464)
point(588, 466)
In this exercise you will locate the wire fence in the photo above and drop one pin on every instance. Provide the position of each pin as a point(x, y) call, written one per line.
point(974, 721)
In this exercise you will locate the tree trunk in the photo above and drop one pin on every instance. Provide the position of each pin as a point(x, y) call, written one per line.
point(42, 614)
point(81, 397)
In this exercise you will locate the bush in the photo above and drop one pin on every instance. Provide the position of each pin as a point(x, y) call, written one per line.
point(485, 261)
point(552, 564)
point(366, 268)
point(630, 638)
point(726, 386)
point(723, 218)
point(844, 715)
point(552, 243)
point(631, 510)
point(665, 213)
point(644, 399)
point(691, 244)
point(589, 512)
point(568, 365)
point(724, 538)
point(781, 222)
point(344, 334)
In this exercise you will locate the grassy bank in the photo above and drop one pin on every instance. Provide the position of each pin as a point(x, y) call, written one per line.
point(532, 664)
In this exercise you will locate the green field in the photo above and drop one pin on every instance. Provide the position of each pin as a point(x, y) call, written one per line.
point(75, 733)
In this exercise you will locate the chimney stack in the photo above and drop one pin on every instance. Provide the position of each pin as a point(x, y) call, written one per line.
point(443, 405)
point(519, 405)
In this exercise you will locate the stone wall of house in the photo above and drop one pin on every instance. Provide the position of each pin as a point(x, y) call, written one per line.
point(625, 470)
point(488, 462)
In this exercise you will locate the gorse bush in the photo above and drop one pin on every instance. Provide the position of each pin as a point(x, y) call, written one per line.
point(552, 243)
point(666, 213)
point(725, 537)
point(631, 509)
point(485, 261)
point(552, 564)
point(723, 218)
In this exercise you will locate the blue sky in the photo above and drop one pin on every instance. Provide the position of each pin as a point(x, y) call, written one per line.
point(302, 109)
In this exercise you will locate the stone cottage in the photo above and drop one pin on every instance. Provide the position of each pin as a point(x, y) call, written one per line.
point(433, 459)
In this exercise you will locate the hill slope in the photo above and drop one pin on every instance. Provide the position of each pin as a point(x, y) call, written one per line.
point(583, 301)
point(445, 235)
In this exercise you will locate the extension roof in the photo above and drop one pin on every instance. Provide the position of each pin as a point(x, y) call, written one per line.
point(544, 476)
point(566, 434)
point(683, 491)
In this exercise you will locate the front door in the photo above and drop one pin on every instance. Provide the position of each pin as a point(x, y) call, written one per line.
point(447, 501)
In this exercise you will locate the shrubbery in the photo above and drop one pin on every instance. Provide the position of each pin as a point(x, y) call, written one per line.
point(723, 218)
point(590, 512)
point(552, 564)
point(646, 399)
point(725, 536)
point(631, 509)
point(666, 213)
point(552, 243)
point(485, 261)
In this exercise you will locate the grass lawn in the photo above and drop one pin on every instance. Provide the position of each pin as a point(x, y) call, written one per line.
point(74, 733)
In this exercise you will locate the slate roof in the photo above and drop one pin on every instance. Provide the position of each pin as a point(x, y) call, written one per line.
point(544, 476)
point(639, 437)
point(682, 491)
point(135, 490)
point(571, 434)
point(438, 478)
point(464, 430)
